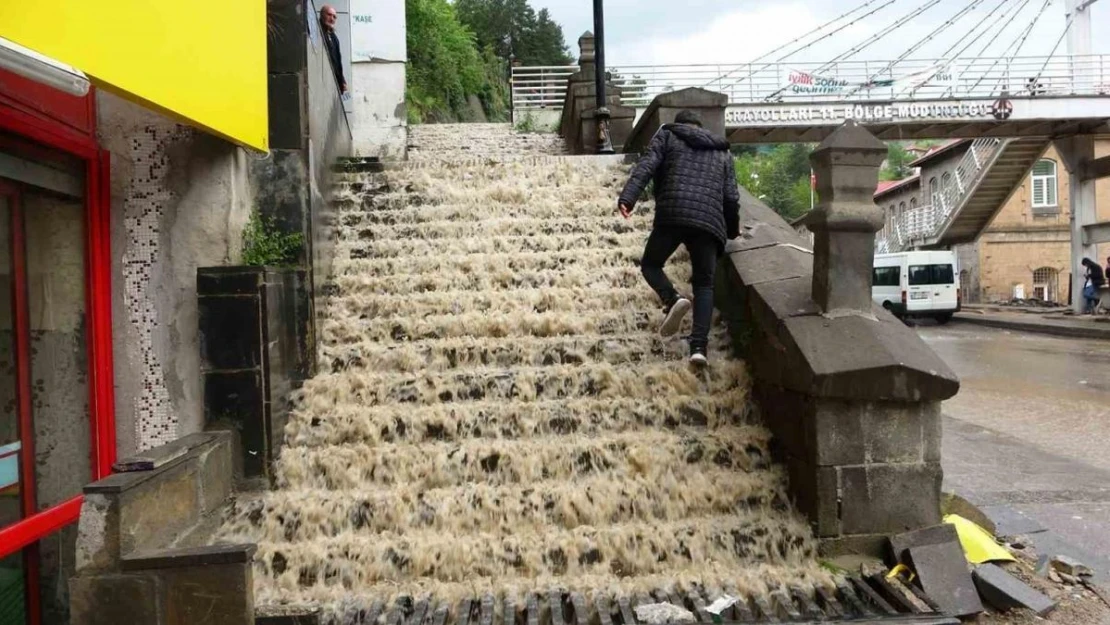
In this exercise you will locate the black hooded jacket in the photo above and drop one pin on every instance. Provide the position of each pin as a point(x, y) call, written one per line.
point(695, 181)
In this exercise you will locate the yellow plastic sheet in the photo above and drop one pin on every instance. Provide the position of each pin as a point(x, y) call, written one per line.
point(978, 544)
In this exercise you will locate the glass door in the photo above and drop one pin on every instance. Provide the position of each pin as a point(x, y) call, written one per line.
point(45, 452)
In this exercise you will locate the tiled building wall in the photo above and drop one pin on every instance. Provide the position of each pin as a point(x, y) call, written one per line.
point(180, 199)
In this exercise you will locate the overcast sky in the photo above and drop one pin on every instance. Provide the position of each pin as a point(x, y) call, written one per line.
point(649, 32)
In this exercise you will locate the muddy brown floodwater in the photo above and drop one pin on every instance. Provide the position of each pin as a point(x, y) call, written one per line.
point(495, 412)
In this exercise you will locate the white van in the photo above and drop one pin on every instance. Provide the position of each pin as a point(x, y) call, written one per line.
point(917, 284)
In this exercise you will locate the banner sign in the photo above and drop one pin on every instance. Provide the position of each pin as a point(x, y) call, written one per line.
point(809, 83)
point(378, 30)
point(778, 114)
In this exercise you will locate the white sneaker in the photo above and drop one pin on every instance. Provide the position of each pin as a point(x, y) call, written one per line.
point(698, 358)
point(672, 322)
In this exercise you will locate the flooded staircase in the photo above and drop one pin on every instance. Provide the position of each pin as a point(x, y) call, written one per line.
point(498, 435)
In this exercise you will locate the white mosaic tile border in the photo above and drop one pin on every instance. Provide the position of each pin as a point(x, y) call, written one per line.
point(143, 212)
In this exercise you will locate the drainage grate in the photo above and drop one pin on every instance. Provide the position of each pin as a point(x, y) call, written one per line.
point(859, 599)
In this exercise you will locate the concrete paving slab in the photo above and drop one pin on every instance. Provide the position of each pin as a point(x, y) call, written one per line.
point(1010, 521)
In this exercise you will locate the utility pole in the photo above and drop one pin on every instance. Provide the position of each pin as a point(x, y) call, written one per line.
point(604, 143)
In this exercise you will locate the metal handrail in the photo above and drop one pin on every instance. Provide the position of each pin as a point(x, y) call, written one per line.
point(855, 81)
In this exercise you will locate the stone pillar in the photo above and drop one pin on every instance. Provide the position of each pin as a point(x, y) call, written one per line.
point(1077, 152)
point(586, 57)
point(845, 221)
point(709, 105)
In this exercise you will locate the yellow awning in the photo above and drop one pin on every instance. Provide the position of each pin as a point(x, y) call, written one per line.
point(200, 63)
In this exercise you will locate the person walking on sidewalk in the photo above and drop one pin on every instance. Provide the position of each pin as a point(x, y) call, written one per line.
point(1095, 280)
point(697, 206)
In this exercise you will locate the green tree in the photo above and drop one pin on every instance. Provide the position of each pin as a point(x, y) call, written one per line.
point(897, 162)
point(549, 45)
point(445, 66)
point(779, 177)
point(514, 27)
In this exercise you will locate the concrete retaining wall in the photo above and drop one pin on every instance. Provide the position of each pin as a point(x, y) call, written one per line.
point(180, 199)
point(309, 131)
point(379, 123)
point(852, 395)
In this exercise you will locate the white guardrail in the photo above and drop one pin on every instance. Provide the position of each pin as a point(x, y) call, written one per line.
point(856, 81)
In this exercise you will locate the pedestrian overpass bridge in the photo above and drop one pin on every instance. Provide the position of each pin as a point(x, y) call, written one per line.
point(1011, 109)
point(896, 100)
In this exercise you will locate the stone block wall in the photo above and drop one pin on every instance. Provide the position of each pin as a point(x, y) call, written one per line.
point(577, 124)
point(255, 327)
point(662, 110)
point(141, 545)
point(851, 394)
point(309, 131)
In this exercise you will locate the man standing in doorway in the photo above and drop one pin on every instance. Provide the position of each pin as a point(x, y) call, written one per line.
point(696, 205)
point(331, 42)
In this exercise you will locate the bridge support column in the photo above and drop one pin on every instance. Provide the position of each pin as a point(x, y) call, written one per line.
point(1077, 152)
point(850, 393)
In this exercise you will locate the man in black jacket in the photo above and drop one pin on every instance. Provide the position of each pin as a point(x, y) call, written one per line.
point(696, 205)
point(331, 42)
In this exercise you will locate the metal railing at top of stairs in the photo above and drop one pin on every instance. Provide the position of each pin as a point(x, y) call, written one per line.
point(907, 80)
point(920, 223)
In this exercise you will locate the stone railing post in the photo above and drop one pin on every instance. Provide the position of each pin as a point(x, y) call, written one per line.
point(586, 56)
point(845, 221)
point(578, 124)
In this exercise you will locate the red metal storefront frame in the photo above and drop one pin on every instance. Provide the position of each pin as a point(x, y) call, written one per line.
point(98, 279)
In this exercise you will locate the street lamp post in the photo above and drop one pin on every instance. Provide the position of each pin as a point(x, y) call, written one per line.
point(604, 143)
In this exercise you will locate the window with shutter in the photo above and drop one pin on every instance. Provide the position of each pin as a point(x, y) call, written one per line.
point(1044, 184)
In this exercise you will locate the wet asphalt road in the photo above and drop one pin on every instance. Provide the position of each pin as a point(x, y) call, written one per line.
point(1028, 436)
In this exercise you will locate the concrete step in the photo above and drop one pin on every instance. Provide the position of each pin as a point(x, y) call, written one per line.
point(632, 454)
point(522, 262)
point(855, 599)
point(352, 246)
point(350, 560)
point(621, 277)
point(510, 226)
point(370, 388)
point(458, 301)
point(689, 491)
point(314, 425)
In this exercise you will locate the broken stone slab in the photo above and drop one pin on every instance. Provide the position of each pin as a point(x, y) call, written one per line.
point(1070, 566)
point(933, 535)
point(942, 570)
point(1004, 591)
point(663, 613)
